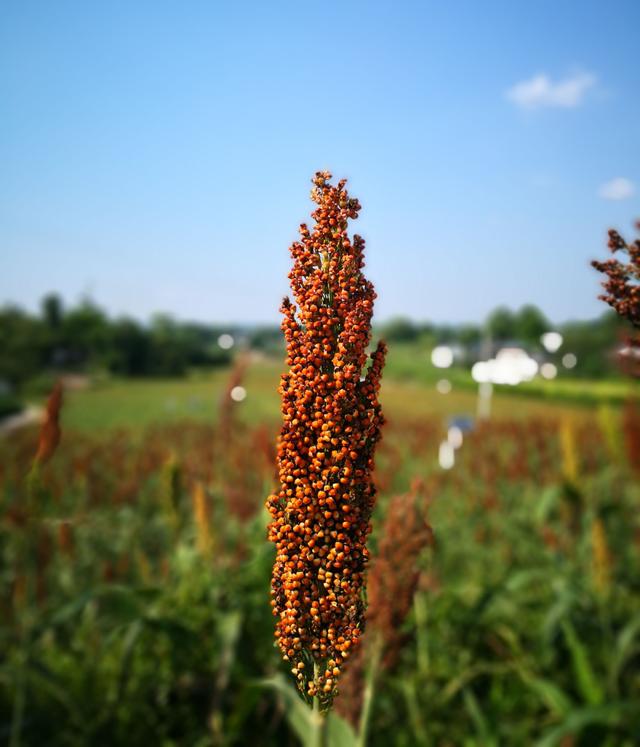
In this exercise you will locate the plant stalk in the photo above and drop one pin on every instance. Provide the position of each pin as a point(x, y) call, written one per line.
point(369, 691)
point(320, 737)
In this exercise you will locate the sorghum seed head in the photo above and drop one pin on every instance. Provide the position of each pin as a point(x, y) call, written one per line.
point(331, 425)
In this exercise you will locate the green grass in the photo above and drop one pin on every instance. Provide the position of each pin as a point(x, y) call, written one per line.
point(411, 362)
point(611, 391)
point(409, 391)
point(138, 403)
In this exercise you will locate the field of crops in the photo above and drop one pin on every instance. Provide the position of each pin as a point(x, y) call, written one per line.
point(319, 374)
point(504, 605)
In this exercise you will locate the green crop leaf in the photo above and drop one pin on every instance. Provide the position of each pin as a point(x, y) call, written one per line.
point(301, 718)
point(299, 715)
point(546, 503)
point(611, 714)
point(553, 696)
point(627, 645)
point(480, 722)
point(341, 733)
point(586, 679)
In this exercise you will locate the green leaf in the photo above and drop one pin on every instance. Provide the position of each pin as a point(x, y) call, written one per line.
point(229, 628)
point(522, 579)
point(610, 714)
point(416, 713)
point(301, 718)
point(341, 733)
point(178, 633)
point(50, 682)
point(120, 604)
point(479, 721)
point(559, 610)
point(587, 681)
point(68, 611)
point(126, 656)
point(626, 647)
point(298, 713)
point(554, 697)
point(546, 503)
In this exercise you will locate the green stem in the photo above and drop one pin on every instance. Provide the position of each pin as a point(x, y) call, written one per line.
point(369, 691)
point(19, 703)
point(422, 636)
point(23, 613)
point(23, 616)
point(320, 737)
point(320, 731)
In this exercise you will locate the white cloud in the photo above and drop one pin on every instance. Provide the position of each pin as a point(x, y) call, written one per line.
point(617, 189)
point(540, 91)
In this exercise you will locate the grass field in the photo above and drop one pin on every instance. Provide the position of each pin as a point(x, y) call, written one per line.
point(409, 390)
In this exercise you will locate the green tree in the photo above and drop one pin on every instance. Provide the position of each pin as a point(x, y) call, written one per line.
point(594, 343)
point(52, 311)
point(130, 353)
point(399, 329)
point(24, 345)
point(469, 334)
point(85, 336)
point(168, 345)
point(501, 324)
point(530, 324)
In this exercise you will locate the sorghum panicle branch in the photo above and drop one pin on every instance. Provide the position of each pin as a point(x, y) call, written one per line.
point(622, 284)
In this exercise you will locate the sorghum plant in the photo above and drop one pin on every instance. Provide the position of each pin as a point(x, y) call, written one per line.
point(623, 294)
point(331, 424)
point(50, 429)
point(631, 429)
point(392, 584)
point(228, 406)
point(622, 285)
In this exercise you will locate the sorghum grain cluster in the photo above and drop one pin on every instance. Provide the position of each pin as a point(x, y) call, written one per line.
point(622, 284)
point(331, 424)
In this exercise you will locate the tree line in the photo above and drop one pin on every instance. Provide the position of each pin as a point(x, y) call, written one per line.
point(83, 338)
point(593, 341)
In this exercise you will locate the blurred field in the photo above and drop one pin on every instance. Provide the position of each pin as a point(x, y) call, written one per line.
point(134, 602)
point(409, 390)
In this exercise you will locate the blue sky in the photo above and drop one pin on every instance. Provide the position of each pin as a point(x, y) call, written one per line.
point(157, 155)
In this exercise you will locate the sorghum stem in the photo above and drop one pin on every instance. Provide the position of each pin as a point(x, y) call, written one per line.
point(369, 689)
point(320, 720)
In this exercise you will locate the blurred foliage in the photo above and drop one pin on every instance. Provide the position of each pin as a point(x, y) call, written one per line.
point(401, 329)
point(593, 342)
point(84, 339)
point(9, 404)
point(134, 578)
point(267, 339)
point(526, 325)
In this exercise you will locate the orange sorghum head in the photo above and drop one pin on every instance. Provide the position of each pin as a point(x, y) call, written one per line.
point(50, 430)
point(331, 424)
